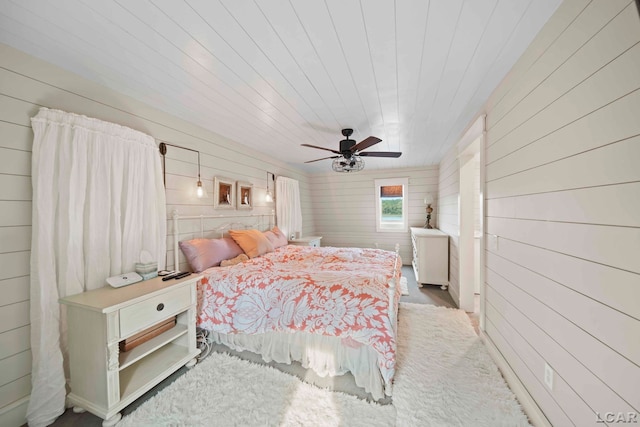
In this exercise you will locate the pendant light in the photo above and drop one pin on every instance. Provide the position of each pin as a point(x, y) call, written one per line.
point(200, 191)
point(269, 196)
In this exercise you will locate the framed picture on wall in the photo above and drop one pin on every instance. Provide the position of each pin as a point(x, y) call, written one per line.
point(223, 193)
point(244, 197)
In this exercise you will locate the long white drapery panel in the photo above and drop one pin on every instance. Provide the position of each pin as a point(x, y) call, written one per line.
point(288, 211)
point(98, 201)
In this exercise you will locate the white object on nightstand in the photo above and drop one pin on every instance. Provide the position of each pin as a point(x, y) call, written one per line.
point(430, 256)
point(103, 380)
point(306, 241)
point(124, 279)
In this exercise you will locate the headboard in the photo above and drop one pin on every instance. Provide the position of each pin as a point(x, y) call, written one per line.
point(219, 225)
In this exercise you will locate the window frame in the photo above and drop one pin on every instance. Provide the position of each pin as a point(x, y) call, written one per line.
point(380, 226)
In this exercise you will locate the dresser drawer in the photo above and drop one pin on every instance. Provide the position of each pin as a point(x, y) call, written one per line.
point(146, 313)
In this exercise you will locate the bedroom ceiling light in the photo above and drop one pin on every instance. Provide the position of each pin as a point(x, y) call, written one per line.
point(349, 157)
point(269, 196)
point(352, 164)
point(200, 191)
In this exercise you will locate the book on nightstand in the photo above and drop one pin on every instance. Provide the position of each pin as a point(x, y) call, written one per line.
point(143, 336)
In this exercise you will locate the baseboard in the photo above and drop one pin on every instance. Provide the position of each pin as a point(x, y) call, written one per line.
point(531, 408)
point(14, 414)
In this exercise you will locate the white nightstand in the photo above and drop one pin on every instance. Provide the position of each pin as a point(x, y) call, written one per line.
point(307, 241)
point(104, 380)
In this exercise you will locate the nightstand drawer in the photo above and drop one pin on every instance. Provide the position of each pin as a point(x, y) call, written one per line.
point(139, 316)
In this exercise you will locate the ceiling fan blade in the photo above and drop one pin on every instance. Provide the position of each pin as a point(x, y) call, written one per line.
point(365, 143)
point(320, 148)
point(380, 154)
point(324, 158)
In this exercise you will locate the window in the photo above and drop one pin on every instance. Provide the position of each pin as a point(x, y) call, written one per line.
point(391, 204)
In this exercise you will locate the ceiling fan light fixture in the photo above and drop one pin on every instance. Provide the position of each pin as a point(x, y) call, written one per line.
point(349, 158)
point(354, 164)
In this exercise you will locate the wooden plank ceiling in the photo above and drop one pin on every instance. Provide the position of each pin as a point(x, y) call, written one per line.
point(272, 74)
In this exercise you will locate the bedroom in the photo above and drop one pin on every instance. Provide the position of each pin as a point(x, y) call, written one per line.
point(561, 196)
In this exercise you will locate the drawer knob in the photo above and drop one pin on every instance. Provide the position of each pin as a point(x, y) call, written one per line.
point(160, 307)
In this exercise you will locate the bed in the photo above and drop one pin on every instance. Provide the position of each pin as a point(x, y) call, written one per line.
point(334, 310)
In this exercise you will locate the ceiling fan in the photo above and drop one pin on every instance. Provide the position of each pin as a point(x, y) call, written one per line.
point(349, 158)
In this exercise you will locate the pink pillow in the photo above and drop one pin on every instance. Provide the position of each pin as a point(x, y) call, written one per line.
point(276, 237)
point(204, 253)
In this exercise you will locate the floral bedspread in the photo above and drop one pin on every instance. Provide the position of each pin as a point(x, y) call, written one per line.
point(339, 292)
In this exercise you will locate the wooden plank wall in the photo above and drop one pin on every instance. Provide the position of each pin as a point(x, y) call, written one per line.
point(344, 207)
point(26, 83)
point(448, 214)
point(563, 196)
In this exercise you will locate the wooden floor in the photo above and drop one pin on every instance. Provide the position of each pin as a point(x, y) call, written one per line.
point(433, 295)
point(426, 295)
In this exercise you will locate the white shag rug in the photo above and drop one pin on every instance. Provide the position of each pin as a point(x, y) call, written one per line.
point(445, 377)
point(226, 391)
point(444, 374)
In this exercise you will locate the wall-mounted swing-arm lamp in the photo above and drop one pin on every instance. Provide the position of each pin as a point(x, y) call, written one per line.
point(200, 191)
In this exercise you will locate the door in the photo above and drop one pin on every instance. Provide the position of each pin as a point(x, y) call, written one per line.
point(470, 217)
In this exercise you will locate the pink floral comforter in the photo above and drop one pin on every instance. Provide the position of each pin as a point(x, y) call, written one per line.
point(340, 292)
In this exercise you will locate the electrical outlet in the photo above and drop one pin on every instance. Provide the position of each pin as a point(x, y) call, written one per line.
point(548, 376)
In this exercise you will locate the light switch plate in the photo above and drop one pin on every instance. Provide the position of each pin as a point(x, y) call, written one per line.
point(493, 242)
point(548, 376)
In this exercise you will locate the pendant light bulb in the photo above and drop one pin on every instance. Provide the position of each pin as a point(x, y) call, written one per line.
point(200, 190)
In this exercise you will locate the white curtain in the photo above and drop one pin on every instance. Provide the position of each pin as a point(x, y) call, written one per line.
point(98, 201)
point(288, 212)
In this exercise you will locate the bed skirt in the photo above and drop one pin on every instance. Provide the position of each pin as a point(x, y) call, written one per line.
point(325, 355)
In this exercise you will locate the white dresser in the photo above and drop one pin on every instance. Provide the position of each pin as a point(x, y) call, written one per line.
point(307, 241)
point(105, 380)
point(430, 256)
